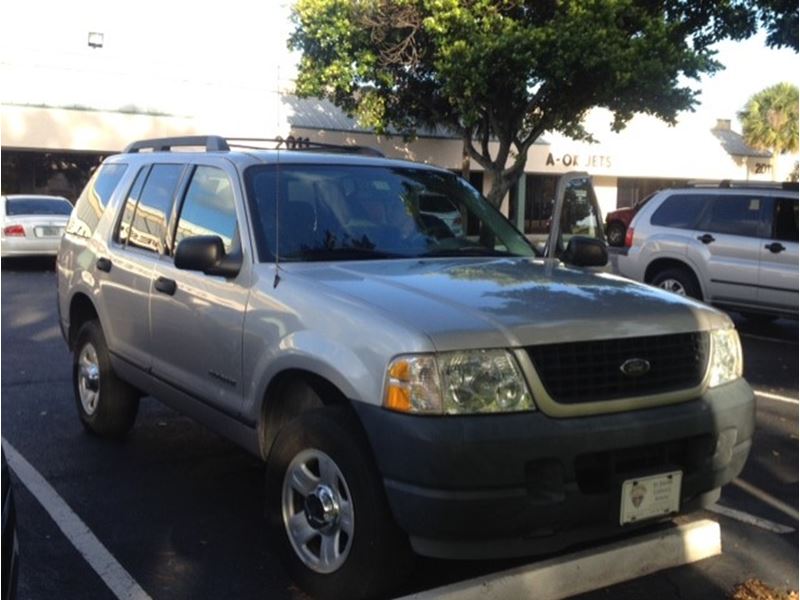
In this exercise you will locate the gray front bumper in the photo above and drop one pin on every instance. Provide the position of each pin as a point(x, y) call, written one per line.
point(525, 483)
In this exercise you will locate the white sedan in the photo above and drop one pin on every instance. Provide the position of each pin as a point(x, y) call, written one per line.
point(32, 225)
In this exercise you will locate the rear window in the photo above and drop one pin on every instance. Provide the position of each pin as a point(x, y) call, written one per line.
point(680, 210)
point(93, 201)
point(37, 206)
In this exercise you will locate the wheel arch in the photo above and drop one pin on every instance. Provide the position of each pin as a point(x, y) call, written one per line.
point(290, 393)
point(81, 310)
point(664, 263)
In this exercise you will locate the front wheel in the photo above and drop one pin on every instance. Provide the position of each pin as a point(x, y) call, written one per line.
point(107, 406)
point(327, 510)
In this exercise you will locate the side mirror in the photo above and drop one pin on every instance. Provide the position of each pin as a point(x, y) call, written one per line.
point(585, 251)
point(206, 253)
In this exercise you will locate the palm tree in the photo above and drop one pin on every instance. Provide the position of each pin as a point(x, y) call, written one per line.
point(769, 120)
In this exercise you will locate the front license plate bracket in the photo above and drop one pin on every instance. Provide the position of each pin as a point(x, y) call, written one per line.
point(650, 496)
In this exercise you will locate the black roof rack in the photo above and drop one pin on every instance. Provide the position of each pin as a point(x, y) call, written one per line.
point(212, 143)
point(753, 185)
point(215, 143)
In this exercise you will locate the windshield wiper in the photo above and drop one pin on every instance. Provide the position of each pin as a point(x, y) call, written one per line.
point(467, 251)
point(313, 254)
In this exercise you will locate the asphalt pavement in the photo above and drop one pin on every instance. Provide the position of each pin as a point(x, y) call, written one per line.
point(181, 508)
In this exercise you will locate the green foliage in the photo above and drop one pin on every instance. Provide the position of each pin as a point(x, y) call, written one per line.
point(770, 119)
point(779, 18)
point(506, 71)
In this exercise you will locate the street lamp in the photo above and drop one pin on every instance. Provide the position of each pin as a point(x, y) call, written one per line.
point(95, 39)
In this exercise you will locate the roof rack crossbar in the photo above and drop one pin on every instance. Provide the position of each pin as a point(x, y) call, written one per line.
point(212, 143)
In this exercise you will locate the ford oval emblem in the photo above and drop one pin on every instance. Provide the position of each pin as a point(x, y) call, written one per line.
point(635, 367)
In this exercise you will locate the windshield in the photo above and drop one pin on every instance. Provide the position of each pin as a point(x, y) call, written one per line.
point(37, 206)
point(351, 212)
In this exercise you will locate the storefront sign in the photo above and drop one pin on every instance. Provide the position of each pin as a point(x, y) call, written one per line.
point(591, 161)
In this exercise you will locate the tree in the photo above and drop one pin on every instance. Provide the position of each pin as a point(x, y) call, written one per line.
point(779, 18)
point(499, 73)
point(769, 120)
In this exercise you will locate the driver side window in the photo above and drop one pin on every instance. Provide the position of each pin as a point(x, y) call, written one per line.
point(209, 208)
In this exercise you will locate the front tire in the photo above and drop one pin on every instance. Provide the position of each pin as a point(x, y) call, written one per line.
point(327, 510)
point(107, 406)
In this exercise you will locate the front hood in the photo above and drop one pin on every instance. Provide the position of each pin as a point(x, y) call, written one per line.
point(473, 303)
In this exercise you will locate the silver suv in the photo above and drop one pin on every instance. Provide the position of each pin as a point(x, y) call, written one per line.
point(734, 246)
point(411, 382)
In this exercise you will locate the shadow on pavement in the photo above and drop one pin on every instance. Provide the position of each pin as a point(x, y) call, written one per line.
point(29, 263)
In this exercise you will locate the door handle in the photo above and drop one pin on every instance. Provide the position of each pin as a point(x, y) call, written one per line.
point(166, 286)
point(775, 247)
point(706, 238)
point(104, 264)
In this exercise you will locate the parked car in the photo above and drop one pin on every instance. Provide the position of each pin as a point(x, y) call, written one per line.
point(32, 225)
point(461, 396)
point(617, 221)
point(734, 246)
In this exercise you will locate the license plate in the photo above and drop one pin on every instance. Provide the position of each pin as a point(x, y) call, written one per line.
point(48, 231)
point(651, 496)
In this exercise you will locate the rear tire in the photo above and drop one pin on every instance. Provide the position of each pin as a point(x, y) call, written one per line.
point(678, 281)
point(615, 233)
point(327, 510)
point(107, 406)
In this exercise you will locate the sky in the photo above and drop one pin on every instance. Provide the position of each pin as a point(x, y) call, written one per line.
point(182, 58)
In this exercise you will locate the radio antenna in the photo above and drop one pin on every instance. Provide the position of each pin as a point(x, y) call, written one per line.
point(277, 219)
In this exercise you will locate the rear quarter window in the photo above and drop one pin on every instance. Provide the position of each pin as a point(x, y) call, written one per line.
point(681, 211)
point(93, 200)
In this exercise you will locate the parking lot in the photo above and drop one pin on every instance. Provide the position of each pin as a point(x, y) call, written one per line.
point(181, 509)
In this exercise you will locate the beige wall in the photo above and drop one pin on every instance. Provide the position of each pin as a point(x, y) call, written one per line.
point(83, 130)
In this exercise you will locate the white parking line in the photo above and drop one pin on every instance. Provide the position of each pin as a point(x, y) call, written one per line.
point(105, 565)
point(572, 574)
point(749, 519)
point(777, 397)
point(766, 498)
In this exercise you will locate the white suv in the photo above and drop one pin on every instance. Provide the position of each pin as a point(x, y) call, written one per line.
point(733, 246)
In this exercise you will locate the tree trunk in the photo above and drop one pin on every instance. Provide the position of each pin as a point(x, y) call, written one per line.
point(465, 162)
point(502, 181)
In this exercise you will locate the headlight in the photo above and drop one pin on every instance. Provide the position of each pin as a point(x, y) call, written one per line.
point(726, 357)
point(476, 381)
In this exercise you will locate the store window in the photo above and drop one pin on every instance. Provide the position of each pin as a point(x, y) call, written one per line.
point(632, 189)
point(540, 193)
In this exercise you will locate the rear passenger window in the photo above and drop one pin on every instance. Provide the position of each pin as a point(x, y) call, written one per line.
point(130, 207)
point(209, 208)
point(785, 221)
point(734, 215)
point(93, 200)
point(149, 222)
point(681, 211)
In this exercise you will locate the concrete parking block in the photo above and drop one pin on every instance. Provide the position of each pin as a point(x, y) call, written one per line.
point(601, 567)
